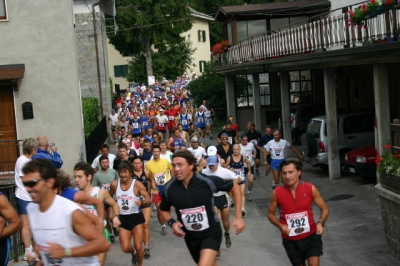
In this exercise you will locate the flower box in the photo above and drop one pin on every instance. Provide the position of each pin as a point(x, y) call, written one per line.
point(390, 182)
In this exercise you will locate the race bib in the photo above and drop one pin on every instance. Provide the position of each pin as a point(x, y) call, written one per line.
point(170, 118)
point(161, 124)
point(200, 120)
point(240, 173)
point(145, 124)
point(184, 122)
point(144, 163)
point(135, 125)
point(105, 187)
point(123, 202)
point(160, 179)
point(248, 156)
point(195, 219)
point(52, 261)
point(230, 140)
point(298, 223)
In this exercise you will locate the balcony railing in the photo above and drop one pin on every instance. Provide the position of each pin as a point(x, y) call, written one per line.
point(331, 33)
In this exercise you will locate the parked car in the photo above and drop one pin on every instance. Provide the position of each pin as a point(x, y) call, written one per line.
point(362, 161)
point(300, 116)
point(355, 129)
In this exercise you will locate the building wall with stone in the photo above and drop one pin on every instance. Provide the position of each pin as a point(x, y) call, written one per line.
point(86, 50)
point(40, 34)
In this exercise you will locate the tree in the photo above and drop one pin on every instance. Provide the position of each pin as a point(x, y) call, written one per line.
point(145, 26)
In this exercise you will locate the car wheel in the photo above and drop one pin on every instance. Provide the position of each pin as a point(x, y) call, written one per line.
point(309, 145)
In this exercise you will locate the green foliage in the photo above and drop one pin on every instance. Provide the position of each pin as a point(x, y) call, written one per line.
point(388, 162)
point(211, 87)
point(91, 114)
point(168, 62)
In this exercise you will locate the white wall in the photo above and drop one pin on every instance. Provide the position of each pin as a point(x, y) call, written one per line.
point(40, 34)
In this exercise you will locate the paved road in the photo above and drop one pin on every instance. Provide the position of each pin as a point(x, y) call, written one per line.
point(354, 231)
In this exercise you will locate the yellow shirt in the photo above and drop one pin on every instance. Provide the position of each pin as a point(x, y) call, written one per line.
point(160, 170)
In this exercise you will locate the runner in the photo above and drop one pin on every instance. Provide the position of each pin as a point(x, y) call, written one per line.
point(221, 197)
point(104, 151)
point(160, 173)
point(14, 224)
point(183, 119)
point(260, 146)
point(103, 179)
point(190, 194)
point(301, 235)
point(201, 123)
point(175, 140)
point(162, 122)
point(277, 149)
point(197, 151)
point(236, 163)
point(62, 231)
point(146, 153)
point(83, 173)
point(143, 177)
point(229, 132)
point(123, 153)
point(131, 197)
point(224, 148)
point(249, 152)
point(254, 136)
point(172, 114)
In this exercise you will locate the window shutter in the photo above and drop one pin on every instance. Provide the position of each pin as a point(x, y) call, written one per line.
point(204, 36)
point(199, 35)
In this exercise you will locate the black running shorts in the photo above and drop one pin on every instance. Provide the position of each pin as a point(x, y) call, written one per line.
point(221, 202)
point(299, 250)
point(129, 221)
point(207, 239)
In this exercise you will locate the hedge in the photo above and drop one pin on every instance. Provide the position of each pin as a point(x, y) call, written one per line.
point(91, 114)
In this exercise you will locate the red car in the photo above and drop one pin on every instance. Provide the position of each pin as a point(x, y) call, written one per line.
point(362, 161)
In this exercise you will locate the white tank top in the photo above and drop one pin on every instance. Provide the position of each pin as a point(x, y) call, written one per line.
point(92, 208)
point(126, 199)
point(54, 225)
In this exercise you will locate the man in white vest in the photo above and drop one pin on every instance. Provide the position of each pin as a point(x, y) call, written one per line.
point(63, 232)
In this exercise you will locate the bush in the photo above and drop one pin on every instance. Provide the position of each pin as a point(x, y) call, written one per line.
point(91, 114)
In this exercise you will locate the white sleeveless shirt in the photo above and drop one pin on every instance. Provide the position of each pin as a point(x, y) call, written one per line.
point(92, 208)
point(126, 199)
point(54, 225)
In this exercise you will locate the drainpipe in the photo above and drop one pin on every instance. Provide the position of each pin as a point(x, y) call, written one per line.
point(97, 57)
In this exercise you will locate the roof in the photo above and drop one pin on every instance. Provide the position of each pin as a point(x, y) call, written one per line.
point(279, 9)
point(198, 14)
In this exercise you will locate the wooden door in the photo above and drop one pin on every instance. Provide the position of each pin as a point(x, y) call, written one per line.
point(9, 151)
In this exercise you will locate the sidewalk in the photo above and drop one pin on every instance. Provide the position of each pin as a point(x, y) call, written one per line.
point(354, 231)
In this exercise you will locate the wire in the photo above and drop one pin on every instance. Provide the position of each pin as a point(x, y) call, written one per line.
point(150, 25)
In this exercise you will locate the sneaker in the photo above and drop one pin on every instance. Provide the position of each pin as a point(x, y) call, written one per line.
point(134, 259)
point(232, 203)
point(116, 232)
point(163, 230)
point(244, 213)
point(146, 252)
point(219, 254)
point(154, 206)
point(27, 251)
point(248, 196)
point(228, 242)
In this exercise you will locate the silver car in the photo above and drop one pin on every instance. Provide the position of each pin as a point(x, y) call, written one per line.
point(356, 129)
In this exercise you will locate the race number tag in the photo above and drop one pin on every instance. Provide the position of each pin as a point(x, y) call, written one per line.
point(145, 124)
point(184, 122)
point(248, 156)
point(105, 187)
point(145, 163)
point(123, 202)
point(200, 120)
point(195, 219)
point(298, 223)
point(170, 118)
point(135, 125)
point(239, 173)
point(161, 124)
point(160, 179)
point(230, 140)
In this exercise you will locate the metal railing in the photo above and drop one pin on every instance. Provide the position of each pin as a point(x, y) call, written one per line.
point(323, 34)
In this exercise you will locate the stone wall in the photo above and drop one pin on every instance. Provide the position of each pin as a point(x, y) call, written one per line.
point(87, 58)
point(390, 208)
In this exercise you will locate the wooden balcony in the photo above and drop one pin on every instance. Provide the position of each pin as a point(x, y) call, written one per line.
point(321, 36)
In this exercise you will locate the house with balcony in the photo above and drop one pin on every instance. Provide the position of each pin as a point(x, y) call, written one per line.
point(288, 53)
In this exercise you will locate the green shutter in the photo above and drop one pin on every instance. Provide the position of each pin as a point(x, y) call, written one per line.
point(199, 35)
point(204, 35)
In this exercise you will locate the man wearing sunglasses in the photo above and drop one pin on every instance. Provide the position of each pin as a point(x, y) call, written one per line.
point(63, 232)
point(231, 134)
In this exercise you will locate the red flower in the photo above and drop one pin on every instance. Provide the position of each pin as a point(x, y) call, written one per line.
point(398, 156)
point(378, 159)
point(387, 146)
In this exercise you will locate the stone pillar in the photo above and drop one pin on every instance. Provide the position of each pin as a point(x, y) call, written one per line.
point(331, 123)
point(256, 102)
point(382, 109)
point(285, 105)
point(230, 96)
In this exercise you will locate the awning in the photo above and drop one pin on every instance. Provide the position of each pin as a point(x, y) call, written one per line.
point(12, 72)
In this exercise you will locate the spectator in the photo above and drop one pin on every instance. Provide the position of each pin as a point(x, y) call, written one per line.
point(47, 151)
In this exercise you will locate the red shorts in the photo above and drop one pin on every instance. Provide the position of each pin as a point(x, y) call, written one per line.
point(156, 198)
point(171, 124)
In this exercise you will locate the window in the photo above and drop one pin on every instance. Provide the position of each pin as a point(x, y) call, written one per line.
point(247, 29)
point(244, 90)
point(202, 35)
point(3, 10)
point(202, 64)
point(265, 89)
point(120, 71)
point(301, 87)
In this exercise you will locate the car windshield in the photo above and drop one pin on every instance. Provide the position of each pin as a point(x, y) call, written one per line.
point(314, 128)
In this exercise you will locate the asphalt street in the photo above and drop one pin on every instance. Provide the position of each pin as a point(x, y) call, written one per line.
point(354, 231)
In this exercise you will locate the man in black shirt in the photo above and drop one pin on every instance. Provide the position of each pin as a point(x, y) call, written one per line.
point(231, 134)
point(224, 148)
point(254, 136)
point(191, 193)
point(260, 146)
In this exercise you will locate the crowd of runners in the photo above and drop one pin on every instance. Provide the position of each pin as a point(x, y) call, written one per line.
point(162, 168)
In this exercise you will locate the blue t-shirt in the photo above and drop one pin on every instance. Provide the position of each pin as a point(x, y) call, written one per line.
point(68, 193)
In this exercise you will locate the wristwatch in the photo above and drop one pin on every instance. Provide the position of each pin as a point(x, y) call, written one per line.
point(321, 222)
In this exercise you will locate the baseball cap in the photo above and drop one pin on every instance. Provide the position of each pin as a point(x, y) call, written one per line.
point(212, 160)
point(161, 110)
point(125, 140)
point(212, 151)
point(224, 135)
point(195, 139)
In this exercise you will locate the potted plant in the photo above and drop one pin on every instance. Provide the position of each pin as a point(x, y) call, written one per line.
point(389, 168)
point(220, 48)
point(357, 17)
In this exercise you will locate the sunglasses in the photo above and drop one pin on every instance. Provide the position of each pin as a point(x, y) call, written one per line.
point(31, 183)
